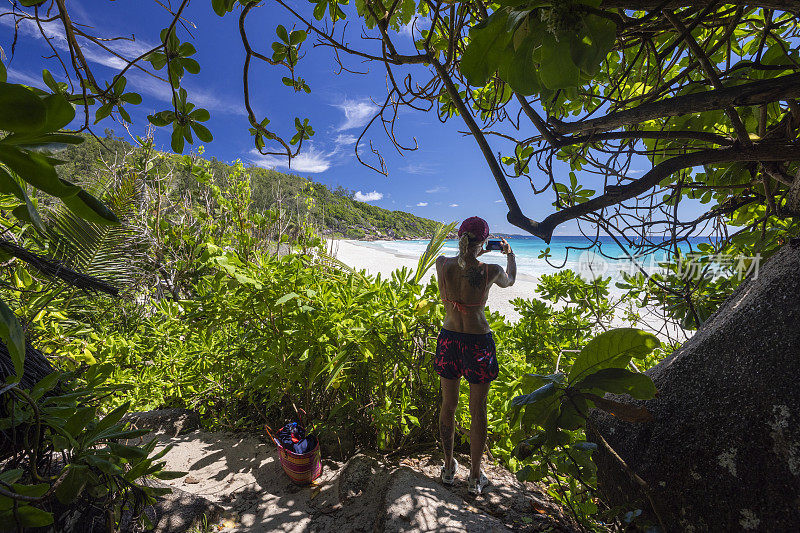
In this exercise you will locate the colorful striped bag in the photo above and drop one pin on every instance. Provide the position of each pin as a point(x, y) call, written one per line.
point(302, 468)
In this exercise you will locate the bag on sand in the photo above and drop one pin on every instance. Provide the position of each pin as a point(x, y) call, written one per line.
point(298, 452)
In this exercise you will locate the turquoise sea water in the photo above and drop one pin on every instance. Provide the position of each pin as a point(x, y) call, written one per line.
point(565, 251)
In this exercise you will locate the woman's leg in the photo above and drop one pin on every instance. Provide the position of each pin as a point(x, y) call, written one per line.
point(447, 417)
point(477, 425)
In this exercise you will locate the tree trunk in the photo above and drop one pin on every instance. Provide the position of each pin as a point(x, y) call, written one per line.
point(723, 450)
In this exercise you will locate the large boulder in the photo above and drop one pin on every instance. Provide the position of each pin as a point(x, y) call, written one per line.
point(723, 450)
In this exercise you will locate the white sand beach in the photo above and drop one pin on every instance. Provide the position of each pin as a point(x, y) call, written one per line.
point(375, 260)
point(360, 255)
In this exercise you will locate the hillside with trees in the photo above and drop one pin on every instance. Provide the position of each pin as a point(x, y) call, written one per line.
point(335, 212)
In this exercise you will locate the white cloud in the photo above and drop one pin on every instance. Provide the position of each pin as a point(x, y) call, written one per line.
point(55, 32)
point(138, 81)
point(309, 160)
point(24, 78)
point(436, 189)
point(406, 29)
point(498, 201)
point(422, 204)
point(344, 139)
point(200, 97)
point(356, 113)
point(453, 205)
point(368, 196)
point(419, 168)
point(421, 23)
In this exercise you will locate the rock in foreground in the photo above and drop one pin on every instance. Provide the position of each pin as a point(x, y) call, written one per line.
point(723, 451)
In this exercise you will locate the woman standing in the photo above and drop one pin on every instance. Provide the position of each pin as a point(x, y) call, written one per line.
point(465, 346)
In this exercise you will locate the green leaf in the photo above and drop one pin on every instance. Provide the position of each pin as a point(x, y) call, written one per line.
point(132, 98)
point(11, 475)
point(519, 71)
point(3, 73)
point(557, 70)
point(177, 139)
point(485, 50)
point(286, 297)
point(26, 212)
point(222, 6)
point(105, 466)
point(44, 385)
point(162, 118)
point(102, 112)
point(34, 491)
point(573, 413)
point(28, 516)
point(90, 208)
point(73, 484)
point(36, 169)
point(123, 114)
point(282, 33)
point(48, 80)
point(44, 139)
point(113, 417)
point(186, 49)
point(14, 338)
point(534, 381)
point(202, 132)
point(612, 349)
point(544, 405)
point(157, 59)
point(191, 66)
point(131, 453)
point(175, 69)
point(59, 112)
point(200, 114)
point(319, 10)
point(620, 381)
point(78, 421)
point(603, 34)
point(585, 446)
point(297, 37)
point(21, 111)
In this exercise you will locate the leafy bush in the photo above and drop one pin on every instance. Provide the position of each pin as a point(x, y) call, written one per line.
point(57, 448)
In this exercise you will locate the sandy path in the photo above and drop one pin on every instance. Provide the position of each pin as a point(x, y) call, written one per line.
point(241, 473)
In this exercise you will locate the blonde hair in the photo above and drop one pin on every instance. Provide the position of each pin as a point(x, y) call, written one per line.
point(465, 242)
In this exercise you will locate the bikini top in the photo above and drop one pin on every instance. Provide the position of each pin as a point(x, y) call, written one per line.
point(461, 307)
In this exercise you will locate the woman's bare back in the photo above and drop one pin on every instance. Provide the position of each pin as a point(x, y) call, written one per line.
point(464, 292)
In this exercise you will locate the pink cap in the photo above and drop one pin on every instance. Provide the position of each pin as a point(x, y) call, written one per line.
point(475, 225)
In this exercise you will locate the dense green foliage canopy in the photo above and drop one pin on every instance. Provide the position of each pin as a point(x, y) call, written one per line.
point(575, 95)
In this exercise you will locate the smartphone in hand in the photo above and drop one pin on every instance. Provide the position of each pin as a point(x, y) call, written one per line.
point(493, 245)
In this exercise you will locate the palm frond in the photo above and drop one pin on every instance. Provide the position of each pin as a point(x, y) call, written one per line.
point(110, 253)
point(55, 269)
point(428, 259)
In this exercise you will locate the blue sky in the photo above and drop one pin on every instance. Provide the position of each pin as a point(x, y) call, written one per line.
point(446, 179)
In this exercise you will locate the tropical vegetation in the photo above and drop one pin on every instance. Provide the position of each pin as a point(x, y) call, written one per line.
point(160, 280)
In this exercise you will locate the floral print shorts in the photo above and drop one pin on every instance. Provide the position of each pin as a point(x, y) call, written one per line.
point(473, 356)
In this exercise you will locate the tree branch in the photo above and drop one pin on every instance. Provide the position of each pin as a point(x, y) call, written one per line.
point(617, 194)
point(758, 92)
